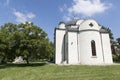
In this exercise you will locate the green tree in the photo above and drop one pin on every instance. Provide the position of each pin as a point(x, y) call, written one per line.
point(118, 40)
point(26, 40)
point(5, 47)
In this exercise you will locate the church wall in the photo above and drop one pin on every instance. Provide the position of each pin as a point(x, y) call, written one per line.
point(72, 48)
point(59, 46)
point(85, 39)
point(106, 48)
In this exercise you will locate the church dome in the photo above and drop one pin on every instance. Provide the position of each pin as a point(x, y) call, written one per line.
point(62, 25)
point(79, 22)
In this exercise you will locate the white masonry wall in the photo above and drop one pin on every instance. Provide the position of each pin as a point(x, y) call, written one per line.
point(106, 48)
point(86, 35)
point(72, 48)
point(85, 39)
point(59, 46)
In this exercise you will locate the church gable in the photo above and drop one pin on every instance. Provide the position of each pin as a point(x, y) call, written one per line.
point(89, 25)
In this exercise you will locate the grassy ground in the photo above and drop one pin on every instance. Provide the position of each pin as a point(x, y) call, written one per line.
point(42, 71)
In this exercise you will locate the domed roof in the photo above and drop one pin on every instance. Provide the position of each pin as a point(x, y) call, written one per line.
point(82, 25)
point(62, 25)
point(72, 22)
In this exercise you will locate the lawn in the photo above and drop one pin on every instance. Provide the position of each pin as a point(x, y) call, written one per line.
point(42, 71)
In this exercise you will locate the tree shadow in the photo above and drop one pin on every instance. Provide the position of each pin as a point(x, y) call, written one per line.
point(2, 66)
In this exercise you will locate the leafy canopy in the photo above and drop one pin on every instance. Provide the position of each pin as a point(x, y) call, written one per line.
point(26, 40)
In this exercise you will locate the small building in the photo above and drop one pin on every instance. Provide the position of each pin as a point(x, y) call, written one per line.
point(82, 42)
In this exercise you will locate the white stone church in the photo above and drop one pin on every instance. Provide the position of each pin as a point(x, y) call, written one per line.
point(82, 42)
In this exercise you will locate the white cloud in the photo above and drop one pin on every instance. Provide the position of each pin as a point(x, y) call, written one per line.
point(23, 17)
point(30, 15)
point(87, 7)
point(63, 8)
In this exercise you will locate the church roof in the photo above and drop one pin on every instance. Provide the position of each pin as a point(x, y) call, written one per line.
point(72, 25)
point(73, 29)
point(103, 31)
point(72, 22)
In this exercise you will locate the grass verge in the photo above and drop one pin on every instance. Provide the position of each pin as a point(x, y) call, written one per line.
point(43, 71)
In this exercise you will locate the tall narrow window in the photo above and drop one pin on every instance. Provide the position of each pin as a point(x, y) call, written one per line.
point(93, 48)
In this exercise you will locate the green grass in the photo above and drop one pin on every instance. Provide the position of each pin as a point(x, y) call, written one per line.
point(42, 71)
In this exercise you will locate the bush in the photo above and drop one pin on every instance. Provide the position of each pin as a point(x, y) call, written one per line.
point(116, 58)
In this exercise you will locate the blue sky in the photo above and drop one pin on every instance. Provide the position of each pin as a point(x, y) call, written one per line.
point(48, 13)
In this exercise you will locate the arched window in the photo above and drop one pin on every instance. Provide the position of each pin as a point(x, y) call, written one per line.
point(93, 47)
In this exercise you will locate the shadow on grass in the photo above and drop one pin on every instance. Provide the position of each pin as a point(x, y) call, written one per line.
point(2, 66)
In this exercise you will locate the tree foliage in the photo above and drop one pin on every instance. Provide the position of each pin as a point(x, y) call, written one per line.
point(26, 40)
point(118, 40)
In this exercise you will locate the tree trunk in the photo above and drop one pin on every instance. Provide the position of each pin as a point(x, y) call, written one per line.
point(3, 61)
point(27, 60)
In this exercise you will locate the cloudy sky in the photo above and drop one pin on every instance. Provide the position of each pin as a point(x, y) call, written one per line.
point(48, 13)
